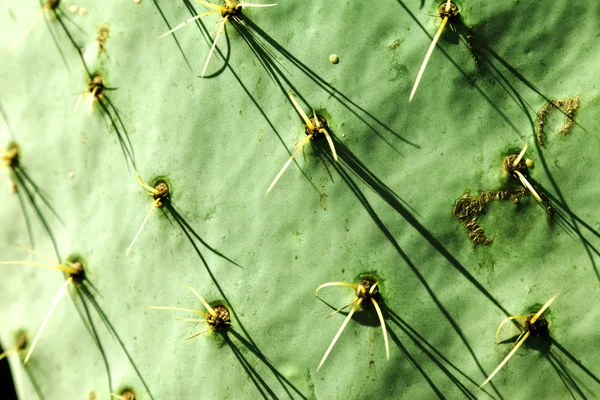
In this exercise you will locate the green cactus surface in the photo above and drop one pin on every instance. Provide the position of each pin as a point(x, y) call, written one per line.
point(419, 199)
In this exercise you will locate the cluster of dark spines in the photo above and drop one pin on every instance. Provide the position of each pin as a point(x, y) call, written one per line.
point(219, 316)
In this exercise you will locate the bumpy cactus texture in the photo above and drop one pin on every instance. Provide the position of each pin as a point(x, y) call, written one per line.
point(387, 208)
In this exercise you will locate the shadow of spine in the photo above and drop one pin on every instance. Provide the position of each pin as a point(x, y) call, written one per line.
point(243, 336)
point(350, 162)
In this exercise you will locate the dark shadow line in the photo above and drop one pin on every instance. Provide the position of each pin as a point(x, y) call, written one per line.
point(393, 200)
point(434, 354)
point(324, 162)
point(76, 300)
point(267, 60)
point(271, 69)
point(225, 58)
point(208, 270)
point(117, 114)
point(341, 312)
point(513, 93)
point(344, 100)
point(574, 360)
point(559, 198)
point(173, 35)
point(55, 39)
point(461, 71)
point(574, 216)
point(488, 50)
point(563, 374)
point(166, 214)
point(113, 332)
point(285, 383)
point(254, 376)
point(75, 45)
point(389, 236)
point(175, 214)
point(41, 194)
point(70, 20)
point(201, 27)
point(560, 375)
point(246, 340)
point(569, 227)
point(204, 32)
point(209, 40)
point(127, 151)
point(414, 363)
point(38, 212)
point(34, 383)
point(95, 336)
point(256, 41)
point(26, 217)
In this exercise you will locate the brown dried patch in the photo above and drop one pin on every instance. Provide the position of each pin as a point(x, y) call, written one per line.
point(467, 209)
point(471, 45)
point(569, 106)
point(323, 201)
point(102, 34)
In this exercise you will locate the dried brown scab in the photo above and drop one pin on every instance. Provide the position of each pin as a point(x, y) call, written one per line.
point(102, 36)
point(472, 49)
point(221, 320)
point(453, 13)
point(468, 209)
point(231, 8)
point(569, 106)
